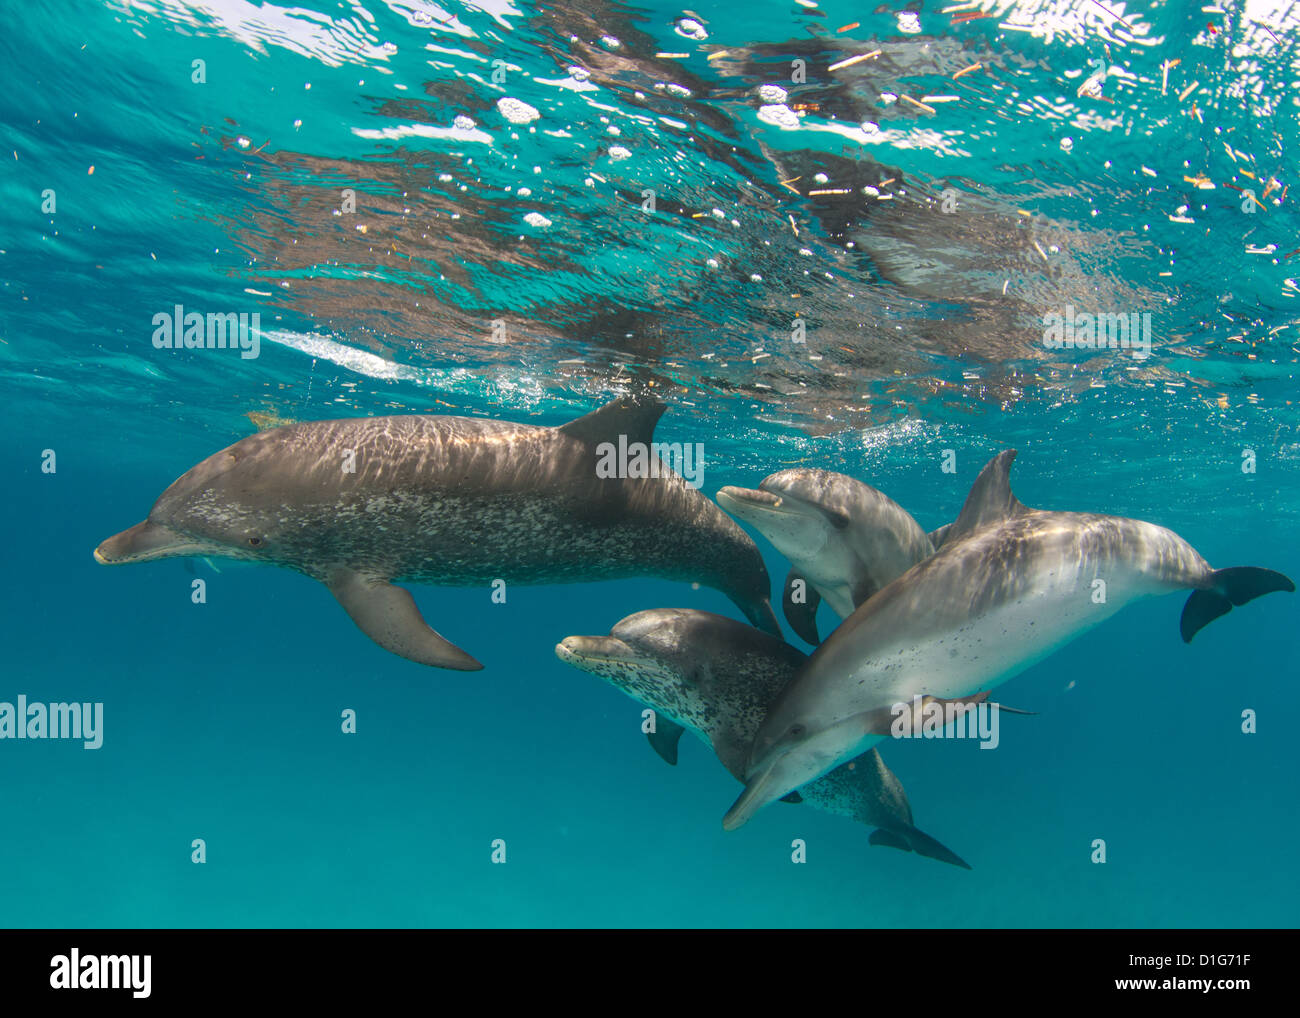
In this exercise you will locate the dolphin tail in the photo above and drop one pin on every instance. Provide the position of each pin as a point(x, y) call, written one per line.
point(1228, 587)
point(801, 614)
point(912, 839)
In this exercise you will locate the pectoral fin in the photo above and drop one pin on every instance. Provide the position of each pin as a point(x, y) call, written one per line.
point(801, 614)
point(664, 739)
point(388, 615)
point(909, 839)
point(881, 720)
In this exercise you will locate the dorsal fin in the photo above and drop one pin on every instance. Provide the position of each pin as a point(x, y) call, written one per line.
point(632, 416)
point(990, 499)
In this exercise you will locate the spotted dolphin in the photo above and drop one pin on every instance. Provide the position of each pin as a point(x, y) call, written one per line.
point(844, 539)
point(456, 501)
point(715, 677)
point(1009, 586)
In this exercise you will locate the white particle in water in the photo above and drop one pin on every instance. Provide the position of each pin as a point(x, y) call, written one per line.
point(618, 152)
point(515, 111)
point(821, 178)
point(771, 94)
point(579, 73)
point(463, 123)
point(689, 28)
point(1067, 144)
point(242, 142)
point(909, 22)
point(781, 116)
point(524, 192)
point(536, 219)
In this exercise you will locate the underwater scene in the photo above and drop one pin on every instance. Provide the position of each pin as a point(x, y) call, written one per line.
point(625, 465)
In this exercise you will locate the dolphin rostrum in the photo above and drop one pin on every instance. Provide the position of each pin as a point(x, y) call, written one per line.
point(844, 539)
point(715, 677)
point(1009, 586)
point(456, 501)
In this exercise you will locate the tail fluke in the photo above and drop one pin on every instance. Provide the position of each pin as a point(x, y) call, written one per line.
point(1233, 586)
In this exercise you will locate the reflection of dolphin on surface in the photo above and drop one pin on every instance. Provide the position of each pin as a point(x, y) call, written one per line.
point(448, 500)
point(1009, 585)
point(844, 539)
point(715, 676)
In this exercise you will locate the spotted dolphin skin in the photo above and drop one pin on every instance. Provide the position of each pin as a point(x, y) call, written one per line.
point(455, 501)
point(1008, 586)
point(844, 539)
point(715, 677)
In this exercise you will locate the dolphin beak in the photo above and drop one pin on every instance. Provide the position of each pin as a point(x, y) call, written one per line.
point(744, 502)
point(755, 796)
point(581, 651)
point(144, 542)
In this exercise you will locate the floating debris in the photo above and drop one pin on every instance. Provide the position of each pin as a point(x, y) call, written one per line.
point(854, 60)
point(265, 420)
point(1165, 68)
point(967, 70)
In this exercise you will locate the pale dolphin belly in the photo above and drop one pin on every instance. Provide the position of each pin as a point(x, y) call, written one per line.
point(980, 612)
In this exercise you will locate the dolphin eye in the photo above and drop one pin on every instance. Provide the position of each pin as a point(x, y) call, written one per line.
point(255, 542)
point(795, 731)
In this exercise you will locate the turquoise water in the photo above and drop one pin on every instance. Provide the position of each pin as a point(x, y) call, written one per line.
point(924, 333)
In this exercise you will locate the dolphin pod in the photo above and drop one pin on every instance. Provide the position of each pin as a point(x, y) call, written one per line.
point(454, 501)
point(362, 504)
point(715, 677)
point(1008, 586)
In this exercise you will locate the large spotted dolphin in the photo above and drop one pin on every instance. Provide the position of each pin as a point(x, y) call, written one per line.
point(715, 677)
point(457, 501)
point(844, 539)
point(1009, 585)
